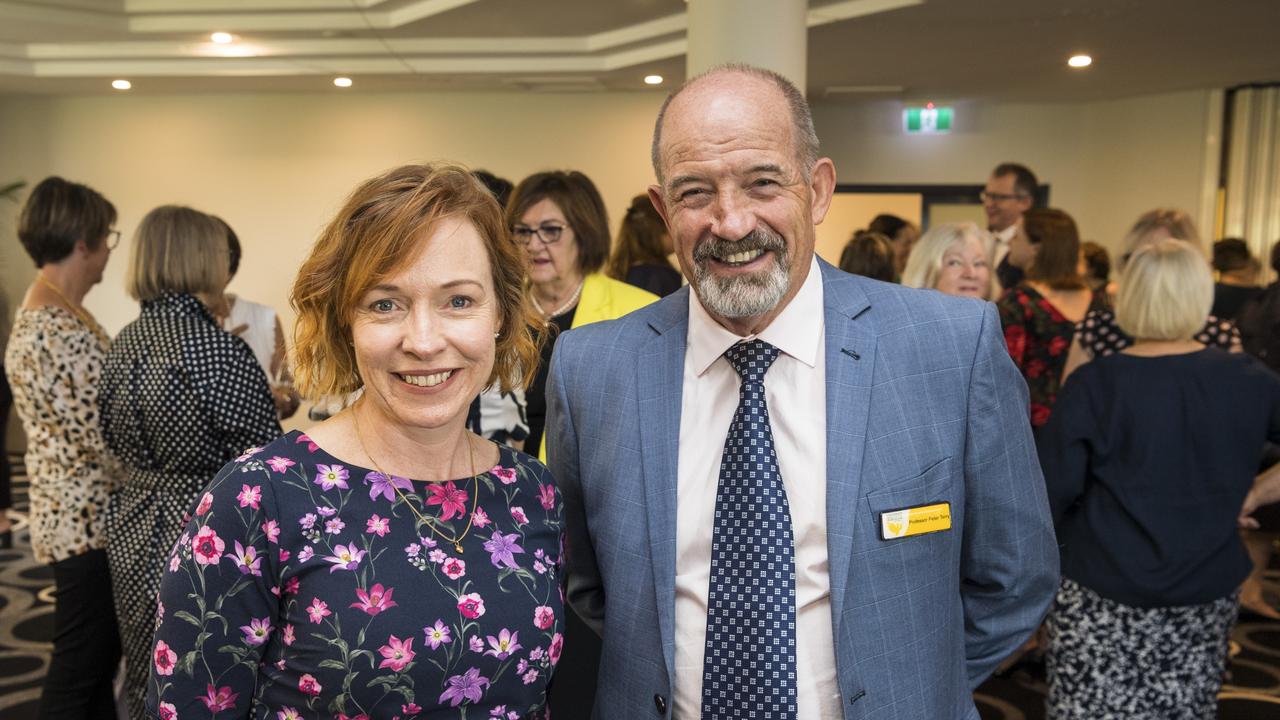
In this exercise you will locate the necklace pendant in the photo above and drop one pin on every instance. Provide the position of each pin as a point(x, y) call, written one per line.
point(458, 547)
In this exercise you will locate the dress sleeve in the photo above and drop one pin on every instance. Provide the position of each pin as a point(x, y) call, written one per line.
point(237, 396)
point(74, 369)
point(1065, 443)
point(219, 600)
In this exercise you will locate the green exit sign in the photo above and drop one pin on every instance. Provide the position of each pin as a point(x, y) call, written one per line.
point(928, 120)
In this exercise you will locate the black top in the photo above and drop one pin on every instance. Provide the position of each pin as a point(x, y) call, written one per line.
point(661, 280)
point(536, 396)
point(1229, 300)
point(1147, 462)
point(180, 397)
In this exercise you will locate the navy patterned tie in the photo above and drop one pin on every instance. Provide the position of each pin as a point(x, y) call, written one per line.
point(749, 670)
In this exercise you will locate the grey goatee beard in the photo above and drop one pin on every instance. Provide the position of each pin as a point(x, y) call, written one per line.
point(742, 296)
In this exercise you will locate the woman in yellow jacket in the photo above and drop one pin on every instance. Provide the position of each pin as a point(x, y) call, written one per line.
point(560, 219)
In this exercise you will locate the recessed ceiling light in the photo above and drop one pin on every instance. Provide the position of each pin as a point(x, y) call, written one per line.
point(343, 82)
point(222, 38)
point(652, 79)
point(1080, 61)
point(121, 84)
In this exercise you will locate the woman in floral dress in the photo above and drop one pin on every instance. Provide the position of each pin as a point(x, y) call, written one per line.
point(388, 563)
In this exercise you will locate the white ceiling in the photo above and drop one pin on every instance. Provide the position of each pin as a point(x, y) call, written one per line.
point(992, 49)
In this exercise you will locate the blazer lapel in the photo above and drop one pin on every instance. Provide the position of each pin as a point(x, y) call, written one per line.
point(851, 358)
point(660, 376)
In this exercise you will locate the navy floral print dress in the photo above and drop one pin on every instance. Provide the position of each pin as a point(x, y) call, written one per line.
point(304, 588)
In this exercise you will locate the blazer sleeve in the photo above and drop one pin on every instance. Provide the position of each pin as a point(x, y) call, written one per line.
point(585, 591)
point(1009, 557)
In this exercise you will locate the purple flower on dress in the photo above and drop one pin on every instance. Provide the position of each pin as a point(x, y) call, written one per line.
point(280, 464)
point(220, 699)
point(476, 644)
point(412, 549)
point(345, 557)
point(329, 477)
point(502, 548)
point(438, 635)
point(468, 686)
point(436, 556)
point(380, 485)
point(257, 631)
point(530, 677)
point(334, 526)
point(307, 521)
point(246, 560)
point(326, 511)
point(502, 646)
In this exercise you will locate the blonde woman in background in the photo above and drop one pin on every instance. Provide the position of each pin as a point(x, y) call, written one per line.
point(180, 398)
point(954, 258)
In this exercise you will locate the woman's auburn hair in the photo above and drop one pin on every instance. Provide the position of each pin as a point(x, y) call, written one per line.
point(379, 230)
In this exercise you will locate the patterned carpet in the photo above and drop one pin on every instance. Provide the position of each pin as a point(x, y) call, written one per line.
point(26, 624)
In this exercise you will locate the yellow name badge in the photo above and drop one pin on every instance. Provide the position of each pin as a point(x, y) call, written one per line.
point(915, 521)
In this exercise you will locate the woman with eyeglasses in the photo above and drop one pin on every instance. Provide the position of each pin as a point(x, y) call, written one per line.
point(54, 364)
point(559, 218)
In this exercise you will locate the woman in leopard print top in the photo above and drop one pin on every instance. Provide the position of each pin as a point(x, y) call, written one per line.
point(54, 362)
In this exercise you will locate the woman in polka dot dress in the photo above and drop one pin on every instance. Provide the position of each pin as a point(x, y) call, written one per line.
point(180, 398)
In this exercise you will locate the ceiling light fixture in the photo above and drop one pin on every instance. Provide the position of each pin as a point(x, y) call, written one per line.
point(222, 38)
point(342, 82)
point(652, 79)
point(121, 84)
point(1080, 61)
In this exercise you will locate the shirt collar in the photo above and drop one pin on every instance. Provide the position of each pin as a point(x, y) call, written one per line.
point(796, 331)
point(1005, 236)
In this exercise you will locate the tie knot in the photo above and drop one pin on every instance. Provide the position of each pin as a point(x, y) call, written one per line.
point(751, 358)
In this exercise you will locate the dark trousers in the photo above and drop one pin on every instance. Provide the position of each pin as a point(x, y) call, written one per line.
point(6, 399)
point(86, 642)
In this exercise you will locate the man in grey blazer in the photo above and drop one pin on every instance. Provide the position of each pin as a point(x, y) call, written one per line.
point(792, 492)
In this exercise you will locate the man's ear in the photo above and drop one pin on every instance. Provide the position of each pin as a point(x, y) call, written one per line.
point(659, 204)
point(822, 186)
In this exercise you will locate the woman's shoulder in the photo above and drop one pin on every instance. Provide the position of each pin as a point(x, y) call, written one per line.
point(600, 290)
point(517, 463)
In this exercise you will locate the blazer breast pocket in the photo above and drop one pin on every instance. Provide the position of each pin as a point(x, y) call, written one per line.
point(912, 526)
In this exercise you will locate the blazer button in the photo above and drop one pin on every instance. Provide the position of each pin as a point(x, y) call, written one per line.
point(660, 703)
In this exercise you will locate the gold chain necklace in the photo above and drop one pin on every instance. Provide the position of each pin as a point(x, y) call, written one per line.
point(77, 310)
point(573, 299)
point(475, 488)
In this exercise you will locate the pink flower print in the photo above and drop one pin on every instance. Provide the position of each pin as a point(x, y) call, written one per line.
point(345, 557)
point(334, 526)
point(498, 711)
point(344, 716)
point(377, 525)
point(547, 496)
point(280, 464)
point(543, 617)
point(375, 600)
point(539, 568)
point(288, 713)
point(329, 477)
point(502, 549)
point(168, 711)
point(480, 518)
point(380, 485)
point(173, 563)
point(206, 502)
point(165, 658)
point(506, 475)
point(502, 646)
point(306, 554)
point(307, 521)
point(522, 666)
point(438, 634)
point(308, 685)
point(437, 556)
point(536, 654)
point(257, 631)
point(246, 560)
point(318, 610)
point(530, 677)
point(471, 606)
point(159, 612)
point(248, 454)
point(427, 543)
point(250, 496)
point(220, 699)
point(311, 447)
point(284, 554)
point(412, 549)
point(451, 499)
point(476, 644)
point(454, 568)
point(517, 514)
point(410, 709)
point(271, 529)
point(288, 635)
point(396, 653)
point(291, 586)
point(557, 644)
point(326, 511)
point(469, 687)
point(207, 546)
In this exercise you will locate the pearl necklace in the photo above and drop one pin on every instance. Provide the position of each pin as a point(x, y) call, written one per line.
point(573, 300)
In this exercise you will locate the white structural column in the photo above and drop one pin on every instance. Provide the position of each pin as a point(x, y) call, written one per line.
point(770, 34)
